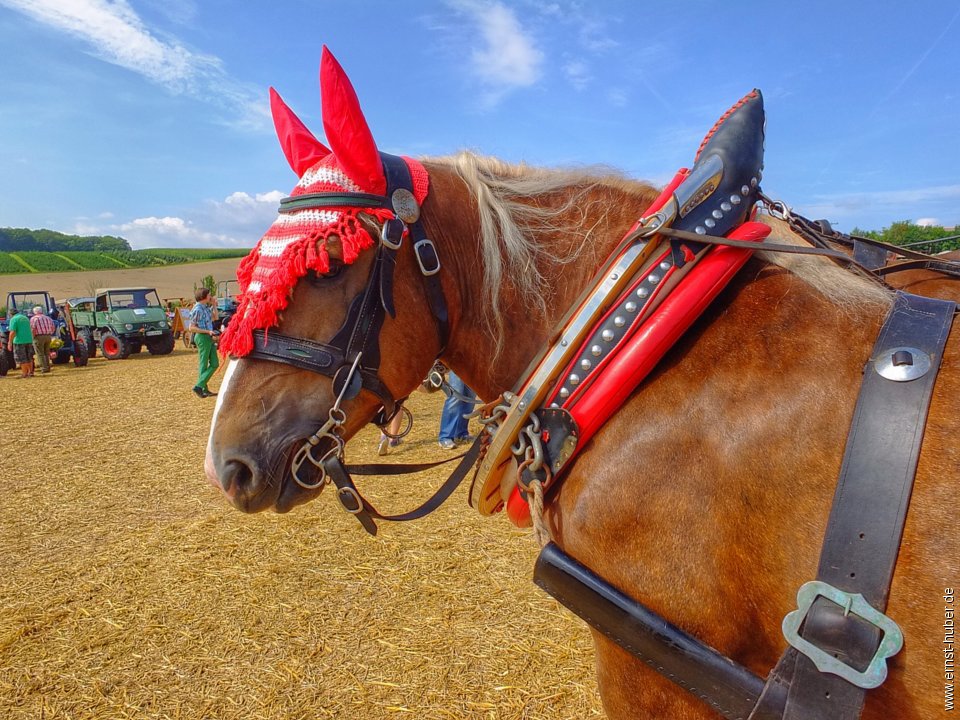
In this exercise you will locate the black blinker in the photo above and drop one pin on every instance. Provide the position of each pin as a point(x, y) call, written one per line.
point(340, 380)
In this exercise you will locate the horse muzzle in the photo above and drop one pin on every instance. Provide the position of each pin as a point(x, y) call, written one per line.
point(252, 486)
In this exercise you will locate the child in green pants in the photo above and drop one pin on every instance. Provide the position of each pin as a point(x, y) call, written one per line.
point(201, 326)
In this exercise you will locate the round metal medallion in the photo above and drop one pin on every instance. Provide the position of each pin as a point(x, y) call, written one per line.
point(902, 364)
point(405, 205)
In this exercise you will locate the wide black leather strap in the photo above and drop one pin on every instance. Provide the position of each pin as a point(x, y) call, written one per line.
point(946, 267)
point(866, 522)
point(398, 176)
point(729, 688)
point(313, 356)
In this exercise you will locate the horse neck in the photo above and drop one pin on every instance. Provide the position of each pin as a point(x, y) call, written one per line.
point(588, 230)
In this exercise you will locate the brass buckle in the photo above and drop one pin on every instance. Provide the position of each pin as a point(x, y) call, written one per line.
point(890, 644)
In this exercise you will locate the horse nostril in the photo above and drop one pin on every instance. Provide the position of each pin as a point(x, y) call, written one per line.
point(236, 476)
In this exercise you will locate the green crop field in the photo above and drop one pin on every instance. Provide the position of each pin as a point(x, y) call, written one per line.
point(26, 261)
point(9, 265)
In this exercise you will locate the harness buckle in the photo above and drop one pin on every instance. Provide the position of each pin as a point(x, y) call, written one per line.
point(350, 500)
point(392, 232)
point(427, 257)
point(876, 671)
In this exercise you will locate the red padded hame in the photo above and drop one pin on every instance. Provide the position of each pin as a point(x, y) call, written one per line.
point(658, 334)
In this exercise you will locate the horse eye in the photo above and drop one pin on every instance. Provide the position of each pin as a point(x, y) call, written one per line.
point(335, 268)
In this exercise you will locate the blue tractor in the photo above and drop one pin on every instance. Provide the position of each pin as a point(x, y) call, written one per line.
point(65, 345)
point(226, 303)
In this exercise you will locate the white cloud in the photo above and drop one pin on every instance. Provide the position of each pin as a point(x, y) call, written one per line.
point(618, 97)
point(508, 58)
point(577, 73)
point(171, 232)
point(236, 221)
point(117, 35)
point(882, 207)
point(889, 198)
point(926, 222)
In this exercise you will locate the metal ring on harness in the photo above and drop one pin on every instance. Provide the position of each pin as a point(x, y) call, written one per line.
point(406, 428)
point(306, 453)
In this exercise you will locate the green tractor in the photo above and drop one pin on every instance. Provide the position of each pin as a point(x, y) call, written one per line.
point(66, 345)
point(122, 321)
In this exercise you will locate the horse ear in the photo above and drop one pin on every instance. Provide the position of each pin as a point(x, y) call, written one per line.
point(347, 130)
point(299, 145)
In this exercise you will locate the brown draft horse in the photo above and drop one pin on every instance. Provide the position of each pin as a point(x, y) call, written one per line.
point(707, 494)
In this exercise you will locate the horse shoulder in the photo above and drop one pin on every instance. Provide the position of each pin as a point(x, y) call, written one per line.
point(707, 495)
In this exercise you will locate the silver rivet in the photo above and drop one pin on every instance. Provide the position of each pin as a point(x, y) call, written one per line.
point(607, 335)
point(710, 222)
point(653, 279)
point(554, 405)
point(585, 364)
point(726, 207)
point(614, 276)
point(642, 292)
point(522, 405)
point(753, 182)
point(745, 190)
point(717, 214)
point(564, 393)
point(574, 379)
point(665, 266)
point(596, 350)
point(760, 173)
point(619, 321)
point(735, 199)
point(630, 307)
point(700, 230)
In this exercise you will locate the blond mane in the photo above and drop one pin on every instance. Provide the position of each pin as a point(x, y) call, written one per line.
point(517, 203)
point(844, 288)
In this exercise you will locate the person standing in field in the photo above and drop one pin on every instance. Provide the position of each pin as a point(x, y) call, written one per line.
point(201, 328)
point(453, 418)
point(43, 329)
point(20, 342)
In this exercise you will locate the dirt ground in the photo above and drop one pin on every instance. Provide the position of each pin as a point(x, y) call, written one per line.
point(171, 282)
point(131, 589)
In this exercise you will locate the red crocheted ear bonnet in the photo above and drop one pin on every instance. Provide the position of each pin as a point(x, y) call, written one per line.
point(296, 242)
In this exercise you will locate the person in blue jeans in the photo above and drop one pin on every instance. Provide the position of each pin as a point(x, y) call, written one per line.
point(453, 423)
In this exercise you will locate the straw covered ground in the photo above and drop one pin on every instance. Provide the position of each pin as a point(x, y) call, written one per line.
point(131, 589)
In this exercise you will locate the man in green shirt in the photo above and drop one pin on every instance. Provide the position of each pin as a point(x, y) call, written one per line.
point(20, 341)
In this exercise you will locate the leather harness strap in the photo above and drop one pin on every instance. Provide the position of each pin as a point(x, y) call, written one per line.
point(355, 504)
point(859, 554)
point(868, 253)
point(317, 357)
point(866, 522)
point(398, 176)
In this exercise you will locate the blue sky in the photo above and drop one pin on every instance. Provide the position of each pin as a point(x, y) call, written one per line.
point(149, 119)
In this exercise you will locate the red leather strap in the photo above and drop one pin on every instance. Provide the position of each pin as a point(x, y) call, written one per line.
point(644, 350)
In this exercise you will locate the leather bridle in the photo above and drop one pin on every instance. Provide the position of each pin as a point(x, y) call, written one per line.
point(351, 359)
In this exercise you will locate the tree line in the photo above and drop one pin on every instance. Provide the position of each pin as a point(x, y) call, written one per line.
point(924, 238)
point(14, 239)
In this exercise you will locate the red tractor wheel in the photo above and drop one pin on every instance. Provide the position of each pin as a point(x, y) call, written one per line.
point(113, 346)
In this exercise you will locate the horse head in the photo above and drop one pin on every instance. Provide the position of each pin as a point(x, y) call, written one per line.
point(319, 306)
